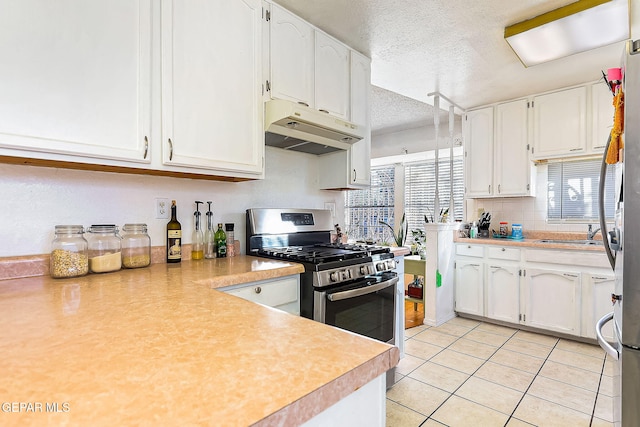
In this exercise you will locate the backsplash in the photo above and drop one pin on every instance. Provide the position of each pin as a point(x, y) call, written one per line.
point(531, 212)
point(35, 199)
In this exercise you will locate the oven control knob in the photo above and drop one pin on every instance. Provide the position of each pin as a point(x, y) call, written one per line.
point(380, 266)
point(392, 263)
point(347, 274)
point(364, 270)
point(333, 276)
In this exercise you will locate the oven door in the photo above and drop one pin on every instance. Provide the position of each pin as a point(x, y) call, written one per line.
point(366, 307)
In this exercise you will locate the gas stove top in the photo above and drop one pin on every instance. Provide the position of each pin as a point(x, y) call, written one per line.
point(324, 252)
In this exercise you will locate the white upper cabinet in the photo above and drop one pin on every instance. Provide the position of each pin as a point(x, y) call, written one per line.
point(292, 57)
point(76, 78)
point(513, 169)
point(560, 124)
point(352, 168)
point(331, 76)
point(211, 85)
point(478, 152)
point(601, 116)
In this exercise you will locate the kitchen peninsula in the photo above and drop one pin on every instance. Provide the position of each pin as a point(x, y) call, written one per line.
point(162, 346)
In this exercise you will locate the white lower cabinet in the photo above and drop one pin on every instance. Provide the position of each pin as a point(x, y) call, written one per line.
point(596, 302)
point(503, 292)
point(552, 300)
point(555, 290)
point(282, 293)
point(469, 288)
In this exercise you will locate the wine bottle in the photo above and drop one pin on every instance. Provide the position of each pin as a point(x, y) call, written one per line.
point(174, 237)
point(197, 242)
point(221, 242)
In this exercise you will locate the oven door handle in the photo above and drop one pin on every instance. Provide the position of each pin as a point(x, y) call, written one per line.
point(362, 291)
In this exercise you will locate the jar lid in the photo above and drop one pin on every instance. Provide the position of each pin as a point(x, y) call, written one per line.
point(229, 226)
point(517, 225)
point(133, 227)
point(102, 228)
point(69, 229)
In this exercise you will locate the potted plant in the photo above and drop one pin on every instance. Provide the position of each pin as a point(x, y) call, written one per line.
point(419, 240)
point(401, 236)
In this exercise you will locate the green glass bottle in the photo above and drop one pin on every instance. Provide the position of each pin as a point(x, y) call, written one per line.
point(221, 242)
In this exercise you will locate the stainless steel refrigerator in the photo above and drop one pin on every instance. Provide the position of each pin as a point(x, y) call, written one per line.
point(624, 253)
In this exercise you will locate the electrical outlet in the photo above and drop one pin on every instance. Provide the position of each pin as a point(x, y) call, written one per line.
point(162, 208)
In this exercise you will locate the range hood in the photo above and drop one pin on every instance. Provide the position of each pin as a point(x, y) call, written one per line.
point(297, 127)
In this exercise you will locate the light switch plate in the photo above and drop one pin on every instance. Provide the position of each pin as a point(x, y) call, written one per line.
point(331, 206)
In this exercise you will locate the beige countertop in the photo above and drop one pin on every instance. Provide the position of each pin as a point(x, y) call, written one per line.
point(532, 240)
point(159, 346)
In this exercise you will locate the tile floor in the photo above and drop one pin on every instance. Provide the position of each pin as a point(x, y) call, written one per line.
point(470, 373)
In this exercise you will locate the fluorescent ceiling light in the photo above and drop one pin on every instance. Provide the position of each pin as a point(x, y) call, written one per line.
point(577, 27)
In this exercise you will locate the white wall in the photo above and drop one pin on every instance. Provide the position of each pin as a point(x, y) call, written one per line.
point(35, 199)
point(415, 140)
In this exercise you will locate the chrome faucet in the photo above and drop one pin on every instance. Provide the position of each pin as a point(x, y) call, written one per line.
point(591, 234)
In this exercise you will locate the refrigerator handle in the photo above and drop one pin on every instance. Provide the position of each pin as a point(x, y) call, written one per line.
point(601, 213)
point(608, 348)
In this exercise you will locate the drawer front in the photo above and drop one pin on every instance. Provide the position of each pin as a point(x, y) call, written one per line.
point(511, 254)
point(470, 250)
point(273, 294)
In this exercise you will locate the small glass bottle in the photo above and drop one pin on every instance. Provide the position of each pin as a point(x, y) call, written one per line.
point(136, 246)
point(105, 252)
point(209, 236)
point(221, 242)
point(69, 255)
point(231, 250)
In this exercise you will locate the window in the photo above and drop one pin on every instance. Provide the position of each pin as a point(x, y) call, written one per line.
point(420, 189)
point(572, 192)
point(364, 209)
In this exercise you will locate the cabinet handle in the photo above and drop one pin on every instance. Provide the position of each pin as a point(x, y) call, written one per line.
point(170, 150)
point(355, 175)
point(576, 149)
point(303, 103)
point(503, 249)
point(598, 147)
point(323, 111)
point(257, 289)
point(146, 147)
point(570, 275)
point(489, 188)
point(499, 189)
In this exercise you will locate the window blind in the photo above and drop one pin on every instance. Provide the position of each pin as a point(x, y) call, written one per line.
point(365, 209)
point(420, 188)
point(572, 191)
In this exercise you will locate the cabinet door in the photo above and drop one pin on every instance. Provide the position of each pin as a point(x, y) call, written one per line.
point(552, 300)
point(596, 299)
point(601, 116)
point(512, 164)
point(478, 147)
point(278, 293)
point(560, 123)
point(75, 77)
point(503, 293)
point(331, 76)
point(469, 287)
point(292, 58)
point(352, 168)
point(212, 106)
point(360, 173)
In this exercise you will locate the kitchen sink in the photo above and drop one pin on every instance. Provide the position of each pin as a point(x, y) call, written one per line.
point(572, 242)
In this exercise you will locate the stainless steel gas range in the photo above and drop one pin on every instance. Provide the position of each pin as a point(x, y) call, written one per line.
point(352, 287)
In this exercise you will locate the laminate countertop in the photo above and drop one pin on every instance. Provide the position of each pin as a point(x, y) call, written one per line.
point(161, 346)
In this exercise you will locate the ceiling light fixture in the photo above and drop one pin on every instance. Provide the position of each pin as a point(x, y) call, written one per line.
point(574, 28)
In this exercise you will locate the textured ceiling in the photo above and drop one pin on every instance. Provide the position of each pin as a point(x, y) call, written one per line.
point(454, 47)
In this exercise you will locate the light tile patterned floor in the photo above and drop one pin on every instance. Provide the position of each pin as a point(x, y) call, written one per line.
point(470, 373)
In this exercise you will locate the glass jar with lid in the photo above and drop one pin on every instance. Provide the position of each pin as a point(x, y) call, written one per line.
point(69, 252)
point(105, 252)
point(136, 246)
